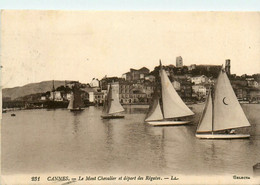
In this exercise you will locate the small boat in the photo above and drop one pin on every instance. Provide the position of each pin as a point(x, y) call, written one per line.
point(4, 111)
point(112, 105)
point(113, 117)
point(167, 107)
point(76, 103)
point(222, 113)
point(13, 115)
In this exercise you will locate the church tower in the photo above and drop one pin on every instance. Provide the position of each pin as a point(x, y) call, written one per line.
point(227, 66)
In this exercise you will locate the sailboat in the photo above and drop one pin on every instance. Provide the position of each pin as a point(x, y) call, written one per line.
point(112, 105)
point(76, 103)
point(222, 113)
point(173, 110)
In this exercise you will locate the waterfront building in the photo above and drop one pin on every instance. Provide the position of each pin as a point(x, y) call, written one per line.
point(254, 96)
point(68, 96)
point(199, 79)
point(191, 67)
point(148, 89)
point(56, 96)
point(241, 93)
point(136, 74)
point(91, 97)
point(104, 82)
point(43, 97)
point(125, 89)
point(94, 83)
point(200, 91)
point(99, 97)
point(186, 90)
point(90, 94)
point(135, 92)
point(251, 82)
point(151, 78)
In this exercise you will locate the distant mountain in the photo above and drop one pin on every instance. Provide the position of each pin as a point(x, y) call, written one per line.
point(31, 88)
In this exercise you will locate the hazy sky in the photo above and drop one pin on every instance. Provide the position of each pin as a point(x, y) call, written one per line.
point(80, 45)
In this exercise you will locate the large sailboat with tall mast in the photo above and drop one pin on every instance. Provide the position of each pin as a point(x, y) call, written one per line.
point(76, 103)
point(168, 107)
point(222, 113)
point(112, 105)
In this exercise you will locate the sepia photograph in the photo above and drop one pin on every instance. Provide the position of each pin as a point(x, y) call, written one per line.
point(130, 97)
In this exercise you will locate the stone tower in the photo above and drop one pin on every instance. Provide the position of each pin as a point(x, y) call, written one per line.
point(227, 66)
point(179, 62)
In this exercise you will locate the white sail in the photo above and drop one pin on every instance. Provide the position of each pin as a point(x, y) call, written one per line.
point(70, 106)
point(205, 124)
point(156, 112)
point(75, 101)
point(114, 104)
point(173, 106)
point(228, 113)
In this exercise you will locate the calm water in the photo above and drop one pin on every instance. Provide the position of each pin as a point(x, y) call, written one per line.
point(42, 141)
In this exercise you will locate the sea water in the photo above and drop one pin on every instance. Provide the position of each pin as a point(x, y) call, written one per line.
point(47, 141)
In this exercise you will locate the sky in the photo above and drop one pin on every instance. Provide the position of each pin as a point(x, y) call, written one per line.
point(81, 45)
point(158, 5)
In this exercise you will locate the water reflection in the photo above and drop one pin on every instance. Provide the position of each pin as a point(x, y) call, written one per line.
point(109, 135)
point(76, 121)
point(129, 110)
point(157, 138)
point(81, 142)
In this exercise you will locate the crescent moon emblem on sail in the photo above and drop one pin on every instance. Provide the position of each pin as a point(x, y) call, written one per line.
point(224, 101)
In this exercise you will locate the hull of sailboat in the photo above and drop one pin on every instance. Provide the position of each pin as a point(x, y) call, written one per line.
point(112, 117)
point(77, 109)
point(167, 123)
point(222, 136)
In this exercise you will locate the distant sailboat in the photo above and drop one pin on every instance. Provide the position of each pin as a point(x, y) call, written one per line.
point(76, 103)
point(112, 105)
point(173, 111)
point(222, 113)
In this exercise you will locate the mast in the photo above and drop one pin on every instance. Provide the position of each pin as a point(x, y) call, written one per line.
point(53, 91)
point(160, 100)
point(212, 97)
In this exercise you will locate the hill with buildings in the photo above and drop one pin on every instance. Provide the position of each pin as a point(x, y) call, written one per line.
point(136, 86)
point(32, 88)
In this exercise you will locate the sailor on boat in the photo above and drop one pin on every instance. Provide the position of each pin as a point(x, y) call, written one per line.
point(168, 107)
point(222, 113)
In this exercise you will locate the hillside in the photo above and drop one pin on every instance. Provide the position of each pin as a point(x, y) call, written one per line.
point(32, 88)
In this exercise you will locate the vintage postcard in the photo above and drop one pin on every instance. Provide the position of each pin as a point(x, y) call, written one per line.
point(130, 97)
